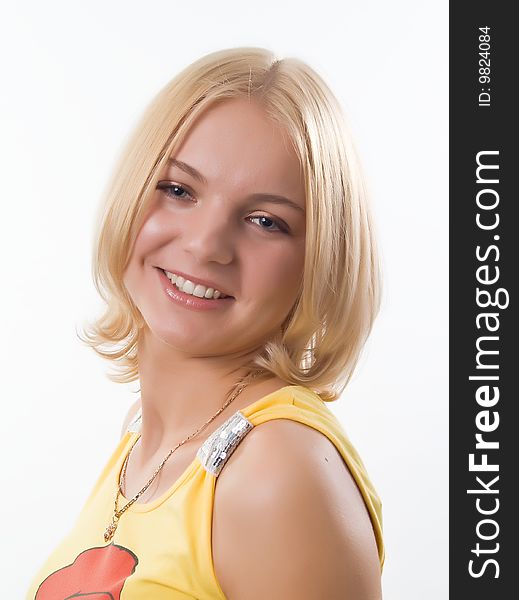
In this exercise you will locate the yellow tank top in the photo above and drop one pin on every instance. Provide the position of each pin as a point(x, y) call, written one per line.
point(162, 549)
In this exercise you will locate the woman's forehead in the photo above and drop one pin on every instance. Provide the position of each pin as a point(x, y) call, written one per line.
point(237, 123)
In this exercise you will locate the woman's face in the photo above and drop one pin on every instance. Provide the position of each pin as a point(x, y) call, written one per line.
point(216, 216)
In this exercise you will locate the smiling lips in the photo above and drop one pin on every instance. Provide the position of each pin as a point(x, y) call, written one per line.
point(188, 300)
point(195, 287)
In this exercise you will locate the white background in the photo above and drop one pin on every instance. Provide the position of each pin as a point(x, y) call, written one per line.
point(75, 78)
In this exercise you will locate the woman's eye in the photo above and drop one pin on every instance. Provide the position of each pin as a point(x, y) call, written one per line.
point(174, 190)
point(263, 218)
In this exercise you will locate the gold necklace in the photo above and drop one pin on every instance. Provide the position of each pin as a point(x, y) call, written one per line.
point(110, 530)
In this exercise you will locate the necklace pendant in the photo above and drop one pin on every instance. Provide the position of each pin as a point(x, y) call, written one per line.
point(110, 530)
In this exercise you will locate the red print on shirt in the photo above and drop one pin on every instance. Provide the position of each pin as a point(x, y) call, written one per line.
point(96, 574)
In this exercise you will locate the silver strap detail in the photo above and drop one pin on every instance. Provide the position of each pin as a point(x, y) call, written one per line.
point(218, 447)
point(135, 424)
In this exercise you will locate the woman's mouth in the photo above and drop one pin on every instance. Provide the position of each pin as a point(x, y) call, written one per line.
point(193, 288)
point(190, 295)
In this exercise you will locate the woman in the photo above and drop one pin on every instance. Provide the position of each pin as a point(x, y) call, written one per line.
point(236, 257)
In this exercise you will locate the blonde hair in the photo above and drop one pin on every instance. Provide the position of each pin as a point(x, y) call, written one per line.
point(320, 341)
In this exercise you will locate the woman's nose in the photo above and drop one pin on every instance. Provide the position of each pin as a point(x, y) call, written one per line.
point(208, 236)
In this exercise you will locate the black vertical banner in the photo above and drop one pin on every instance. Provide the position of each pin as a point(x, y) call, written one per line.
point(484, 268)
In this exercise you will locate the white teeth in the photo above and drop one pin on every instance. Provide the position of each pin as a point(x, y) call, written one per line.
point(188, 287)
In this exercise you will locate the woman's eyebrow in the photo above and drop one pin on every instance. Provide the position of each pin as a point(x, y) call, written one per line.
point(173, 162)
point(274, 198)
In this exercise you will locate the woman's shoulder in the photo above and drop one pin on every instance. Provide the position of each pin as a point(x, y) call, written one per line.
point(286, 442)
point(287, 497)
